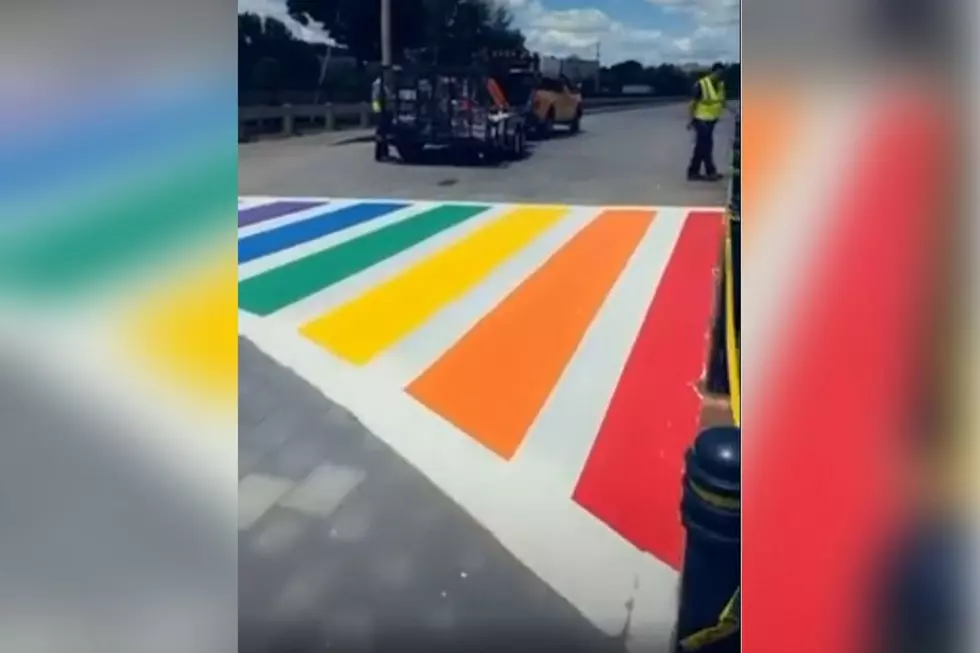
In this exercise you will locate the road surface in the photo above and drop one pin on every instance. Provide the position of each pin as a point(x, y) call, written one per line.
point(343, 544)
point(636, 156)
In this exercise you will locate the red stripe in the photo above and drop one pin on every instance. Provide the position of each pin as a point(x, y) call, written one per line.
point(632, 478)
point(821, 487)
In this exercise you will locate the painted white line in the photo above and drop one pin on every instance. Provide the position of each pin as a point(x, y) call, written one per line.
point(558, 443)
point(401, 364)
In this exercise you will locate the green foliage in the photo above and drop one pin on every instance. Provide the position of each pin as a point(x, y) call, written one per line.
point(274, 67)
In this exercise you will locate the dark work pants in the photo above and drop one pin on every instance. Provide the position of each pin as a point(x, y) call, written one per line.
point(704, 146)
point(381, 134)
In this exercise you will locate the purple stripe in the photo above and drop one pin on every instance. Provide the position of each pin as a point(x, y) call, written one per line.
point(265, 212)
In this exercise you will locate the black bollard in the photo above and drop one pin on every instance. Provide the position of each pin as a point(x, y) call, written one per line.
point(707, 616)
point(735, 194)
point(735, 188)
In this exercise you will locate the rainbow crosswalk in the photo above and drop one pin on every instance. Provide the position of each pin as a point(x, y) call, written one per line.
point(525, 357)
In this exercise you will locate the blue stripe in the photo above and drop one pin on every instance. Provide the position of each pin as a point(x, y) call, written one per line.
point(318, 226)
point(111, 135)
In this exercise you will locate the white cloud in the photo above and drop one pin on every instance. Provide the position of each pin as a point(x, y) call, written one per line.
point(704, 12)
point(577, 31)
point(312, 32)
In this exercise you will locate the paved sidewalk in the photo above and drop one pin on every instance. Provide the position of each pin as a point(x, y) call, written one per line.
point(345, 547)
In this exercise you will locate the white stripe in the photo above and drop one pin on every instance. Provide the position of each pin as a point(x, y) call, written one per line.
point(250, 203)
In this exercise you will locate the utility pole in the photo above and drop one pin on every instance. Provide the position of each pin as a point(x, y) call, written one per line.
point(598, 65)
point(386, 34)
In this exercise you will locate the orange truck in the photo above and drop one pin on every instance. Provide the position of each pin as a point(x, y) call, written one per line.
point(556, 101)
point(546, 98)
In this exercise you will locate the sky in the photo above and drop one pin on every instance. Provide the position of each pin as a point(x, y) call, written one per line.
point(312, 32)
point(650, 31)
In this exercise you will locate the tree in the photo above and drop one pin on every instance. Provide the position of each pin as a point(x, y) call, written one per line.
point(453, 30)
point(271, 59)
point(627, 72)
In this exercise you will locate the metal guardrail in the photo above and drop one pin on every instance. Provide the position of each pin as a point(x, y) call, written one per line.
point(289, 120)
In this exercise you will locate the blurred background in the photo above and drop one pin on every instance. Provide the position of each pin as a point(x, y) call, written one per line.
point(118, 339)
point(118, 354)
point(859, 144)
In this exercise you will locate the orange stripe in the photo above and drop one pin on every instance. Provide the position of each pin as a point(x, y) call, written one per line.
point(771, 125)
point(494, 381)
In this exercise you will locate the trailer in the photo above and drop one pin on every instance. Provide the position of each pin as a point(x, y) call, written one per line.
point(455, 108)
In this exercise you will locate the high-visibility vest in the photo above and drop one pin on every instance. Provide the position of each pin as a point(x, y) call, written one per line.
point(376, 96)
point(712, 102)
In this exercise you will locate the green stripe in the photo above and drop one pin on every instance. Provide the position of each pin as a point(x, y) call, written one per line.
point(268, 292)
point(109, 237)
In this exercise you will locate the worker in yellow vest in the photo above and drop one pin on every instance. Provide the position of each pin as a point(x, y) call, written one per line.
point(707, 108)
point(380, 98)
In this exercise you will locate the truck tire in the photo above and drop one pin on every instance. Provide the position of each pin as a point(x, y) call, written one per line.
point(519, 148)
point(576, 125)
point(548, 126)
point(409, 152)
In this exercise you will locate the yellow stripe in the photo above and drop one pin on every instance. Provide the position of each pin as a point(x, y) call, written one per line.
point(361, 329)
point(734, 376)
point(185, 332)
point(716, 500)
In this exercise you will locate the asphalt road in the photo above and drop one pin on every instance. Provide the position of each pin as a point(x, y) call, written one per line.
point(628, 157)
point(368, 555)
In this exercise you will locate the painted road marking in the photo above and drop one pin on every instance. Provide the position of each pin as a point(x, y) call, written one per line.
point(502, 290)
point(559, 442)
point(296, 233)
point(412, 356)
point(632, 479)
point(517, 353)
point(263, 212)
point(361, 329)
point(288, 284)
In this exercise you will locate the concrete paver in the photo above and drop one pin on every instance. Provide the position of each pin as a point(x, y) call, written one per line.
point(394, 565)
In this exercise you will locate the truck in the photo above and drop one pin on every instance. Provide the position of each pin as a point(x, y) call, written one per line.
point(545, 96)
